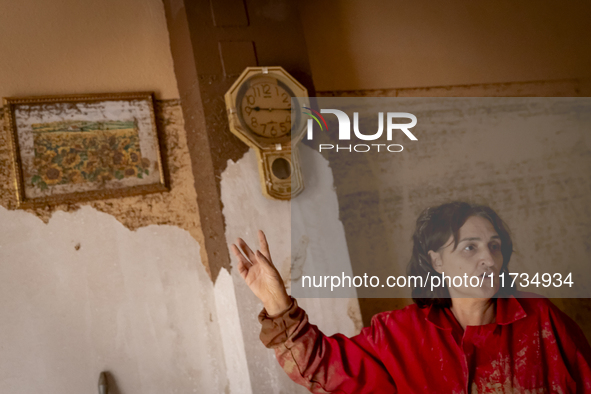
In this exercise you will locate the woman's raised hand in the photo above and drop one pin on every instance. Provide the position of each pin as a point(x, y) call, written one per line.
point(261, 276)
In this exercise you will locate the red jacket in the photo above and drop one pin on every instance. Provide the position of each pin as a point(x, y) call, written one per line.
point(532, 348)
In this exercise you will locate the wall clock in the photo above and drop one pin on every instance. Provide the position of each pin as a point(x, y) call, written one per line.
point(264, 111)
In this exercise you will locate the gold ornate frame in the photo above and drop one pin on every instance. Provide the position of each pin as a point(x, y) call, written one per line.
point(23, 201)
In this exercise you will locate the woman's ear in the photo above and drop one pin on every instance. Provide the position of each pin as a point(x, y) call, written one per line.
point(436, 261)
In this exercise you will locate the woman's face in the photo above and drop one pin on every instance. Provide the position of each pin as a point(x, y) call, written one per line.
point(478, 253)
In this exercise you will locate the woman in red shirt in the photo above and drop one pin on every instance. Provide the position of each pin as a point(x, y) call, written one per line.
point(462, 339)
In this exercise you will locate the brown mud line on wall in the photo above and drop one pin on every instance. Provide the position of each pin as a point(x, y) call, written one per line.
point(553, 88)
point(178, 207)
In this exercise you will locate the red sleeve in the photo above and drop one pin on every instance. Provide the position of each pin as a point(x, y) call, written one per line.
point(325, 364)
point(574, 347)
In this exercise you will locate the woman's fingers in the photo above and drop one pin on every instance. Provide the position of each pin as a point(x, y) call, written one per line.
point(261, 257)
point(243, 264)
point(246, 249)
point(240, 256)
point(264, 245)
point(237, 252)
point(242, 270)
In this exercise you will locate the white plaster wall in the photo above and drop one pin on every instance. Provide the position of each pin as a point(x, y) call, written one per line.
point(246, 210)
point(136, 303)
point(231, 332)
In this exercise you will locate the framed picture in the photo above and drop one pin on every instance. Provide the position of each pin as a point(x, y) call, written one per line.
point(83, 147)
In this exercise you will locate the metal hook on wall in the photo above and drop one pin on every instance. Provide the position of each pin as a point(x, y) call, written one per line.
point(102, 383)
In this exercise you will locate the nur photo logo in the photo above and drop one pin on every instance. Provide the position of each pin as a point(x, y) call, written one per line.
point(392, 119)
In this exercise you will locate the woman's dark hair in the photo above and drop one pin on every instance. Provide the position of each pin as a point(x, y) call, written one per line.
point(435, 225)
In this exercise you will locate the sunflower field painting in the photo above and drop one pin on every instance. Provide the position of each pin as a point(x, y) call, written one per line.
point(82, 151)
point(84, 147)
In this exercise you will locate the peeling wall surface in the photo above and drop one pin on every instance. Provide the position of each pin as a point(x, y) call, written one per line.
point(113, 285)
point(177, 207)
point(82, 294)
point(116, 284)
point(240, 183)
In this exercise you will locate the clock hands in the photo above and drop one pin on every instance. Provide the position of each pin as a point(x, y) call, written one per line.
point(257, 108)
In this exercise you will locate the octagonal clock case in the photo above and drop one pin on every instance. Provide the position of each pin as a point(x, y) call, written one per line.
point(259, 106)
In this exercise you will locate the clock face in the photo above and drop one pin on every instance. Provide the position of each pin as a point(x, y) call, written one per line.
point(265, 107)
